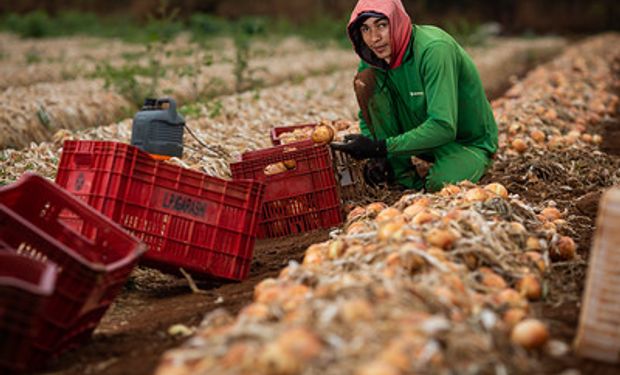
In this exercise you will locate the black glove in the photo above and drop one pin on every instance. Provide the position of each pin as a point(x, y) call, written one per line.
point(361, 147)
point(378, 171)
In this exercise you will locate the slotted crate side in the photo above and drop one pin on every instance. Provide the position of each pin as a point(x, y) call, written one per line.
point(25, 287)
point(71, 293)
point(90, 265)
point(598, 334)
point(203, 224)
point(93, 262)
point(348, 171)
point(299, 200)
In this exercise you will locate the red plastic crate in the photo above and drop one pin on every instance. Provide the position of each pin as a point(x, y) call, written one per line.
point(25, 287)
point(94, 261)
point(298, 200)
point(350, 179)
point(189, 220)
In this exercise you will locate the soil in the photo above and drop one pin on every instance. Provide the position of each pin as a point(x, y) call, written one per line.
point(134, 333)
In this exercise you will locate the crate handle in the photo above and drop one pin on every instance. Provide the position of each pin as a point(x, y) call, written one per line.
point(280, 167)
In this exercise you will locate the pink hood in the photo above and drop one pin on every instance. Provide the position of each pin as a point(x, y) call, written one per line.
point(400, 28)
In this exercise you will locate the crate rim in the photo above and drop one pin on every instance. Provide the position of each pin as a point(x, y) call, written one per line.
point(139, 249)
point(71, 142)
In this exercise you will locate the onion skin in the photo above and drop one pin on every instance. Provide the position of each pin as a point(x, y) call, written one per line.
point(530, 334)
point(476, 195)
point(519, 145)
point(565, 249)
point(513, 316)
point(551, 213)
point(538, 136)
point(497, 189)
point(323, 134)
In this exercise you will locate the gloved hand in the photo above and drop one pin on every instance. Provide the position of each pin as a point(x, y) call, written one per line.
point(361, 147)
point(378, 171)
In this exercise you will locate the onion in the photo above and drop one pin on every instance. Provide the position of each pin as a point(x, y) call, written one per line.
point(551, 213)
point(452, 215)
point(597, 139)
point(357, 227)
point(315, 254)
point(301, 343)
point(533, 244)
point(414, 209)
point(516, 228)
point(514, 128)
point(497, 189)
point(556, 142)
point(476, 195)
point(375, 207)
point(356, 310)
point(565, 249)
point(441, 238)
point(390, 230)
point(256, 311)
point(513, 316)
point(511, 298)
point(530, 287)
point(322, 134)
point(530, 334)
point(275, 168)
point(491, 280)
point(356, 213)
point(449, 190)
point(290, 164)
point(387, 214)
point(424, 217)
point(264, 285)
point(336, 249)
point(519, 145)
point(537, 136)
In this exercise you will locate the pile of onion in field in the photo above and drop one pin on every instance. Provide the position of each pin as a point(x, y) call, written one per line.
point(434, 283)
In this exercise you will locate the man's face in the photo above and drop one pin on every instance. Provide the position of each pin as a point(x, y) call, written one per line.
point(376, 34)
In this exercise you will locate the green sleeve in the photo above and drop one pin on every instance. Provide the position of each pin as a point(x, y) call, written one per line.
point(439, 69)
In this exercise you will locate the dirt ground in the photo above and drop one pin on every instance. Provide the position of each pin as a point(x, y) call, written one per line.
point(134, 333)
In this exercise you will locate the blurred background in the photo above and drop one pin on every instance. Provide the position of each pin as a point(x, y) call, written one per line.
point(40, 18)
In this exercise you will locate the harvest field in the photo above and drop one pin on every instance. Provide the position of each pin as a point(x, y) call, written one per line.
point(411, 282)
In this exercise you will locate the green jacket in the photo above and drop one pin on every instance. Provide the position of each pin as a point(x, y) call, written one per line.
point(433, 98)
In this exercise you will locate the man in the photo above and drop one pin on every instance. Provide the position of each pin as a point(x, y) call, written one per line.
point(419, 95)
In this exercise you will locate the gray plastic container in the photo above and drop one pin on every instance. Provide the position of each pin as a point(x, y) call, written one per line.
point(158, 130)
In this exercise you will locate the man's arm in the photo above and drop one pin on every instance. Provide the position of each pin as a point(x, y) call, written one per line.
point(440, 75)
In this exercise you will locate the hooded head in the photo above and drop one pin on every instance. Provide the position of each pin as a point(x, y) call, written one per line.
point(399, 27)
